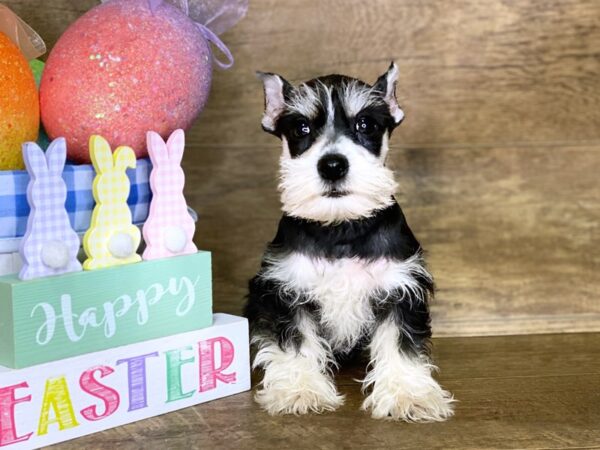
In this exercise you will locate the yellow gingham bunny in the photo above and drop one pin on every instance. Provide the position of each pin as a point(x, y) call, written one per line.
point(112, 239)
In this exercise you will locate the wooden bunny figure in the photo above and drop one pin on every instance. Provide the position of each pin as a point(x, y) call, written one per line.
point(169, 229)
point(50, 244)
point(112, 239)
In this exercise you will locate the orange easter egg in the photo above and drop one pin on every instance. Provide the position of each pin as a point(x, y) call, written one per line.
point(19, 105)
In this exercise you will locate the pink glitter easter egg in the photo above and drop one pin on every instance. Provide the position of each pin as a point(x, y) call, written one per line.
point(123, 69)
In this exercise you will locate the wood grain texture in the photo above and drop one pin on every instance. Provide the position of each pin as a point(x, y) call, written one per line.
point(497, 159)
point(510, 232)
point(526, 392)
point(477, 72)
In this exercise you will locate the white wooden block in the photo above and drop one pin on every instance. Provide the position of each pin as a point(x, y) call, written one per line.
point(17, 262)
point(63, 400)
point(9, 245)
point(10, 263)
point(6, 264)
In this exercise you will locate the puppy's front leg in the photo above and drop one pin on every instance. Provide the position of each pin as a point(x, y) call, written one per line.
point(297, 380)
point(400, 382)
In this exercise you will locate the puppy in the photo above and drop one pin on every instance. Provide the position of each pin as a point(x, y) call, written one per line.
point(344, 273)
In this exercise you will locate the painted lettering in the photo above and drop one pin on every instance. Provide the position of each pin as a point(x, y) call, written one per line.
point(107, 316)
point(57, 399)
point(109, 396)
point(209, 372)
point(174, 363)
point(8, 401)
point(136, 373)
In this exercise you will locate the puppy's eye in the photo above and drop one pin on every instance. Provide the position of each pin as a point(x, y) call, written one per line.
point(301, 129)
point(367, 126)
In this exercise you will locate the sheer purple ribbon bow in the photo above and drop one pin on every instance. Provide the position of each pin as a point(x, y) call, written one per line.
point(220, 15)
point(212, 37)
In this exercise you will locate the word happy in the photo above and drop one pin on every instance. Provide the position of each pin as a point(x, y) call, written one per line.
point(106, 316)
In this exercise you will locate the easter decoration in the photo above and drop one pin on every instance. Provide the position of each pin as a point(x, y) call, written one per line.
point(102, 78)
point(128, 337)
point(143, 327)
point(14, 207)
point(112, 239)
point(37, 68)
point(50, 244)
point(19, 103)
point(169, 229)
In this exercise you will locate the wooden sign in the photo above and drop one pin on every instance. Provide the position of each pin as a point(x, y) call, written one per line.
point(51, 318)
point(67, 399)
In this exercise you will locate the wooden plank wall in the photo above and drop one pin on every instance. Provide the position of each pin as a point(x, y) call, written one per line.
point(498, 158)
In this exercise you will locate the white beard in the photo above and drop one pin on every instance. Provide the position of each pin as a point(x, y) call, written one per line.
point(369, 183)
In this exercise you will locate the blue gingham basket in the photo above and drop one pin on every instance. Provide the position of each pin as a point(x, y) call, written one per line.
point(14, 208)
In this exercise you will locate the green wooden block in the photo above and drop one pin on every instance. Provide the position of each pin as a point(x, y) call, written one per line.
point(52, 318)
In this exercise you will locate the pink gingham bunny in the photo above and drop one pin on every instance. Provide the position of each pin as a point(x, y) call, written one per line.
point(50, 244)
point(169, 229)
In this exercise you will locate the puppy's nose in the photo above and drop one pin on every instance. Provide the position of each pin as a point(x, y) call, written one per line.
point(333, 167)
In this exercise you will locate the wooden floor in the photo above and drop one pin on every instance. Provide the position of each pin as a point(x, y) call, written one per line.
point(514, 392)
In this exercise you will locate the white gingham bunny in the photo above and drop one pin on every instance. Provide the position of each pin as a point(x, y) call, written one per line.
point(50, 244)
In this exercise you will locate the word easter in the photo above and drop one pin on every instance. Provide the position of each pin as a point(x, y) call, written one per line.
point(49, 403)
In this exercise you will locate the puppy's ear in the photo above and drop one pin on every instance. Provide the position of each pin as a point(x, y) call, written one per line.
point(386, 84)
point(276, 89)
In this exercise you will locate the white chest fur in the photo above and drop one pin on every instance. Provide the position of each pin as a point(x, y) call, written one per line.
point(344, 289)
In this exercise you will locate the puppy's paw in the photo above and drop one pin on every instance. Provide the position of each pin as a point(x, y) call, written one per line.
point(299, 394)
point(411, 403)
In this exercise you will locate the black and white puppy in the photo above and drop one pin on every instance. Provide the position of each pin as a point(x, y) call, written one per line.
point(344, 272)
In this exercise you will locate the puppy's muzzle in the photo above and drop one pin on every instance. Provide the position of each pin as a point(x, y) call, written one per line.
point(333, 167)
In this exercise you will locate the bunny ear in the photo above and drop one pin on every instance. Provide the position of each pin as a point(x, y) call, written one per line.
point(57, 155)
point(35, 160)
point(100, 154)
point(157, 149)
point(176, 145)
point(124, 157)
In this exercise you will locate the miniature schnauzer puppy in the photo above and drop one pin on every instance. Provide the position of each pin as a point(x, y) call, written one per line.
point(344, 273)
